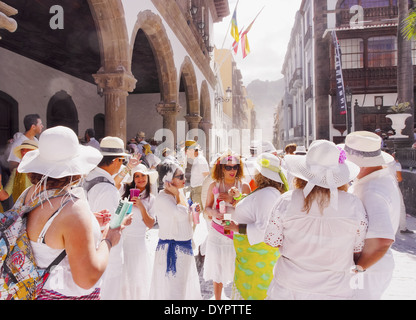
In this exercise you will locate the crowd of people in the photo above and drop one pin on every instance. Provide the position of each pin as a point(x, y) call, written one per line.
point(312, 224)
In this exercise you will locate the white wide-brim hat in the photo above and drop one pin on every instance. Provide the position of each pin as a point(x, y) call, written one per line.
point(60, 155)
point(364, 149)
point(269, 166)
point(153, 175)
point(324, 165)
point(113, 146)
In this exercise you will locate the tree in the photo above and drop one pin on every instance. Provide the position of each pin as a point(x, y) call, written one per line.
point(405, 79)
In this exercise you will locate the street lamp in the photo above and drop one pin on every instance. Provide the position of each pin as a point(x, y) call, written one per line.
point(228, 95)
point(348, 97)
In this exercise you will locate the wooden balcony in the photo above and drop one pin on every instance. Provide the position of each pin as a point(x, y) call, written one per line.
point(371, 15)
point(374, 80)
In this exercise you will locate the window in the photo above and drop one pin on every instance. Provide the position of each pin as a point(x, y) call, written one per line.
point(382, 52)
point(376, 3)
point(352, 52)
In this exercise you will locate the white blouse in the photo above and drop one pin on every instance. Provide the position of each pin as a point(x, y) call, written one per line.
point(255, 211)
point(316, 248)
point(175, 220)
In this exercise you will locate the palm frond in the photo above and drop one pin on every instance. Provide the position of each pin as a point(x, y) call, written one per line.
point(408, 26)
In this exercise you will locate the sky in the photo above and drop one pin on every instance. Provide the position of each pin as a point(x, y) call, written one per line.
point(268, 37)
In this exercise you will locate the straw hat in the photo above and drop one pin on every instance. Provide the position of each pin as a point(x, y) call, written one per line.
point(153, 175)
point(112, 146)
point(324, 165)
point(269, 166)
point(27, 144)
point(60, 155)
point(364, 149)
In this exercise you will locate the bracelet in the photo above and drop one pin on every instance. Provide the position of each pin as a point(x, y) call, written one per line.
point(239, 198)
point(358, 269)
point(108, 241)
point(1, 187)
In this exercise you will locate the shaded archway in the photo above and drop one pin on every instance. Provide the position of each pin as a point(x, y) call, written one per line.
point(150, 25)
point(188, 84)
point(9, 122)
point(62, 111)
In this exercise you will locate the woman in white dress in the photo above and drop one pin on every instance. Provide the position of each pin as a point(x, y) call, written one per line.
point(254, 259)
point(137, 264)
point(219, 263)
point(318, 227)
point(175, 276)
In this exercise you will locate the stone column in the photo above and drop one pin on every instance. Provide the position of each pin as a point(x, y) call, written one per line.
point(193, 121)
point(169, 111)
point(206, 126)
point(115, 87)
point(5, 21)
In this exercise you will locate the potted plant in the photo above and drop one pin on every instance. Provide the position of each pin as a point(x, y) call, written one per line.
point(398, 118)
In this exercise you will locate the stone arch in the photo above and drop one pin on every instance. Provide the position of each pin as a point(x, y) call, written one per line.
point(152, 25)
point(112, 34)
point(188, 77)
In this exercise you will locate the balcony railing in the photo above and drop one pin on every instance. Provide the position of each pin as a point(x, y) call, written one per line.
point(371, 15)
point(363, 79)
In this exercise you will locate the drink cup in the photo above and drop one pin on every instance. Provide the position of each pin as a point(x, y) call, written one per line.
point(134, 193)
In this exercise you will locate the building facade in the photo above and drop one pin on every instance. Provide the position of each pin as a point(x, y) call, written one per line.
point(367, 33)
point(117, 66)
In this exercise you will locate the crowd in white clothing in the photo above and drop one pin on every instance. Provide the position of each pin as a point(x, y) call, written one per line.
point(316, 225)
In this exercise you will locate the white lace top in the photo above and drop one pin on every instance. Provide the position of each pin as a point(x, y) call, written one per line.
point(317, 248)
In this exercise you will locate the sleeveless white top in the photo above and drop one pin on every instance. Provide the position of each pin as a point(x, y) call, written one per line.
point(60, 279)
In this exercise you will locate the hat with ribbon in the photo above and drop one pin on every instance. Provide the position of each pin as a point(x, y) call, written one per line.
point(27, 144)
point(60, 155)
point(112, 146)
point(364, 149)
point(269, 165)
point(324, 165)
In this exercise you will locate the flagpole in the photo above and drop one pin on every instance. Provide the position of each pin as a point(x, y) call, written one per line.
point(229, 25)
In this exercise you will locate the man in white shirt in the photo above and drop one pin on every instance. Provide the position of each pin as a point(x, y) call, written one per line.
point(90, 139)
point(102, 194)
point(378, 191)
point(33, 126)
point(200, 169)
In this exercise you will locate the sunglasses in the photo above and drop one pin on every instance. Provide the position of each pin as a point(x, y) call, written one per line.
point(229, 168)
point(180, 177)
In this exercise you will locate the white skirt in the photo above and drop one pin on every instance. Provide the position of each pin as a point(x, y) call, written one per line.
point(220, 256)
point(183, 285)
point(137, 270)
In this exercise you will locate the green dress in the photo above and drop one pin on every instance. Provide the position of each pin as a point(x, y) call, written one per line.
point(254, 266)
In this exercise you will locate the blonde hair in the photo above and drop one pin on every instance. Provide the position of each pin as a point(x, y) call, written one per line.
point(264, 182)
point(321, 195)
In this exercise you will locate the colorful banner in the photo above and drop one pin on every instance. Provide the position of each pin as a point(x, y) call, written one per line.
point(342, 102)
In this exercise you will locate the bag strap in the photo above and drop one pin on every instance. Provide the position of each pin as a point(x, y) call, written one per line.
point(41, 237)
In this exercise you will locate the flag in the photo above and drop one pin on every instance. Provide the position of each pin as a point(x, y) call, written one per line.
point(244, 39)
point(234, 27)
point(342, 103)
point(245, 47)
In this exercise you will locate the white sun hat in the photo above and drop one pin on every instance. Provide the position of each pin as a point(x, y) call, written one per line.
point(324, 165)
point(269, 165)
point(112, 146)
point(60, 155)
point(153, 175)
point(364, 149)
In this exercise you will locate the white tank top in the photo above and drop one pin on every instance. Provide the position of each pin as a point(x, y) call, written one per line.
point(60, 279)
